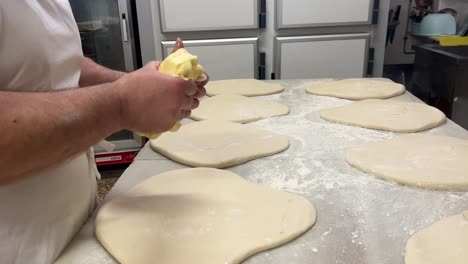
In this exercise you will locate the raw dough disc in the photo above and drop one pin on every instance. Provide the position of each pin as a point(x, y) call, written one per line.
point(218, 144)
point(246, 87)
point(357, 89)
point(199, 215)
point(419, 160)
point(387, 115)
point(443, 242)
point(237, 108)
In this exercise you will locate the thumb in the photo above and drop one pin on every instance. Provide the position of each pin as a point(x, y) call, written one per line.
point(152, 65)
point(156, 64)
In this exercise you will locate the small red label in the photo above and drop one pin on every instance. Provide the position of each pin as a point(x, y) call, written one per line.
point(115, 158)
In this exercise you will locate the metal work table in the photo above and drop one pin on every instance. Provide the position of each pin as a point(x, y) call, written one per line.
point(360, 219)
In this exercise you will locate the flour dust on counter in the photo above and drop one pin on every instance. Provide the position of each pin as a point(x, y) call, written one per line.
point(245, 87)
point(357, 88)
point(445, 241)
point(388, 115)
point(420, 160)
point(361, 219)
point(218, 144)
point(237, 108)
point(197, 216)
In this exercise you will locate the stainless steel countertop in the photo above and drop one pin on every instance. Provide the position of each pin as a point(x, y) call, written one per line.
point(361, 219)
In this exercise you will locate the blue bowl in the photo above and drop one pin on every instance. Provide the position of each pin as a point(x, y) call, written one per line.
point(438, 24)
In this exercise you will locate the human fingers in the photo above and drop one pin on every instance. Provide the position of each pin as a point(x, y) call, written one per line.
point(152, 65)
point(187, 103)
point(178, 45)
point(200, 93)
point(190, 89)
point(183, 114)
point(204, 81)
point(195, 104)
point(187, 113)
point(157, 64)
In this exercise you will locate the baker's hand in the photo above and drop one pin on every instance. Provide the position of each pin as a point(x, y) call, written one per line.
point(201, 86)
point(179, 44)
point(152, 102)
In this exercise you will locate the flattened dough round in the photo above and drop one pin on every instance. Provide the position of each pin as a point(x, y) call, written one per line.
point(419, 160)
point(201, 216)
point(237, 108)
point(245, 87)
point(443, 242)
point(357, 89)
point(386, 115)
point(218, 144)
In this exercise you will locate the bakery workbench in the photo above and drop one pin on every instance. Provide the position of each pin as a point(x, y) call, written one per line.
point(360, 219)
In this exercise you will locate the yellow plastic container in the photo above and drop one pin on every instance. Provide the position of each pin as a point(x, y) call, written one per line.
point(452, 40)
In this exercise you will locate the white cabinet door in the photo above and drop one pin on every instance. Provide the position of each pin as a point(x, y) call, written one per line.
point(309, 13)
point(223, 58)
point(324, 56)
point(189, 15)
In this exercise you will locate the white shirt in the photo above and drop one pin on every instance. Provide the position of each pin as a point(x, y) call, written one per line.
point(40, 50)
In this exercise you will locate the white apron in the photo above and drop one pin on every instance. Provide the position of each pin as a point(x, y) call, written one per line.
point(40, 50)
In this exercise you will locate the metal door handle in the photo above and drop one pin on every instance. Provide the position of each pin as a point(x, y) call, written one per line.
point(261, 66)
point(124, 28)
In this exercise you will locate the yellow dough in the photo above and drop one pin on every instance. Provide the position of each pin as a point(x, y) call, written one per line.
point(182, 64)
point(155, 136)
point(199, 216)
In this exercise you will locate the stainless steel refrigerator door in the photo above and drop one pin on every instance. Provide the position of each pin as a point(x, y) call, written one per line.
point(99, 23)
point(233, 58)
point(128, 37)
point(321, 56)
point(207, 15)
point(320, 13)
point(107, 37)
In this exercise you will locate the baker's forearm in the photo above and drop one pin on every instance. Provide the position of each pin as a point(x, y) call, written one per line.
point(40, 130)
point(95, 74)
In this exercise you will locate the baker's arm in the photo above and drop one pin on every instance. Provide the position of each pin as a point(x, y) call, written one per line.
point(40, 130)
point(43, 129)
point(95, 74)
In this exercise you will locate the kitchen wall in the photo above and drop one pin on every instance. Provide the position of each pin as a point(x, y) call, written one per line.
point(460, 5)
point(394, 50)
